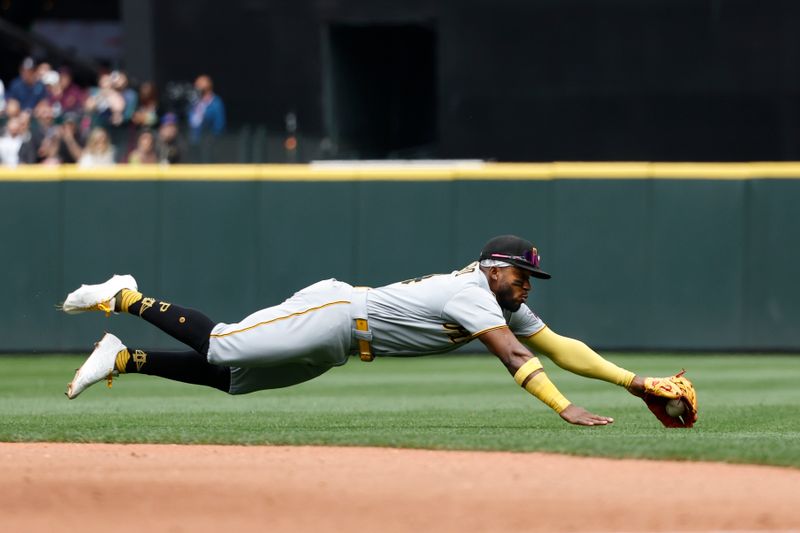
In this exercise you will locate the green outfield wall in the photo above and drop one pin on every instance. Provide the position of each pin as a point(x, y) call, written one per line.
point(643, 255)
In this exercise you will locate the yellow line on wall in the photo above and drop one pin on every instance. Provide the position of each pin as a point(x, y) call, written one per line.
point(410, 172)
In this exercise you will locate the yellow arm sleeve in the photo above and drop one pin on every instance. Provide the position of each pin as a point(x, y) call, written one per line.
point(540, 385)
point(575, 356)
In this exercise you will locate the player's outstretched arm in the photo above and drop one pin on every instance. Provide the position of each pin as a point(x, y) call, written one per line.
point(528, 373)
point(576, 357)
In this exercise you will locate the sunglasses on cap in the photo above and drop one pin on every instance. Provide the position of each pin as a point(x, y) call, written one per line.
point(530, 256)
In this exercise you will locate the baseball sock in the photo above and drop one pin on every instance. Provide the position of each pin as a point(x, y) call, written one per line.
point(187, 367)
point(187, 325)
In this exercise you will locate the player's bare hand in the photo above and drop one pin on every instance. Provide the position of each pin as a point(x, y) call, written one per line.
point(581, 417)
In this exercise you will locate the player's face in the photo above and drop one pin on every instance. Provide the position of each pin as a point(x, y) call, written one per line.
point(512, 288)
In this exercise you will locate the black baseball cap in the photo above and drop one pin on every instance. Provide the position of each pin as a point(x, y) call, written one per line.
point(515, 251)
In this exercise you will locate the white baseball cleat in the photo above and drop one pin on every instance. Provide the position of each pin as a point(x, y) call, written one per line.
point(99, 365)
point(98, 297)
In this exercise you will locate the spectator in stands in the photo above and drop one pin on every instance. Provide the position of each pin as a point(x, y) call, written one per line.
point(170, 146)
point(146, 115)
point(12, 110)
point(66, 96)
point(69, 142)
point(124, 135)
point(207, 113)
point(54, 94)
point(105, 105)
point(50, 80)
point(2, 97)
point(49, 153)
point(42, 127)
point(145, 151)
point(26, 88)
point(11, 142)
point(98, 151)
point(42, 71)
point(27, 152)
point(119, 81)
point(43, 114)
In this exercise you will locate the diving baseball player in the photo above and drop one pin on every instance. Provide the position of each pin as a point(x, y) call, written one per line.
point(320, 326)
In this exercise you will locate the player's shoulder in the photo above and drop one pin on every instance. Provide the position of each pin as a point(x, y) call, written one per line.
point(523, 313)
point(469, 276)
point(444, 284)
point(469, 282)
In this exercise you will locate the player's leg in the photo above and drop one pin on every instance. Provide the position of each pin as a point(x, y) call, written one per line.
point(111, 357)
point(120, 294)
point(244, 380)
point(187, 367)
point(289, 343)
point(189, 326)
point(292, 342)
point(313, 326)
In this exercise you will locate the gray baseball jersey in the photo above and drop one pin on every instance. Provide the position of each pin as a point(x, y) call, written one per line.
point(312, 331)
point(440, 312)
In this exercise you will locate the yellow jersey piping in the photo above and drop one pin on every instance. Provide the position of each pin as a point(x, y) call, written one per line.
point(478, 334)
point(217, 335)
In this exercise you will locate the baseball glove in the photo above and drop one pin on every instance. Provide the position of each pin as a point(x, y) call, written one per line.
point(658, 391)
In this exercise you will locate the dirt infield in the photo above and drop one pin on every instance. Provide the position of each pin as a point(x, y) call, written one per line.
point(154, 488)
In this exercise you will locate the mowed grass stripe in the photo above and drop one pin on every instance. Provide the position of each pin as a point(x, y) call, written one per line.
point(749, 409)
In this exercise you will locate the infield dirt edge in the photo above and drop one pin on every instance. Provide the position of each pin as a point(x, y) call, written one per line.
point(169, 487)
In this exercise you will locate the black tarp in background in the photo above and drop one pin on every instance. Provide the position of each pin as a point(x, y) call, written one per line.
point(534, 80)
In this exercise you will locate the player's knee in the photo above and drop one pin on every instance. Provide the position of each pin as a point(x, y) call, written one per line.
point(221, 379)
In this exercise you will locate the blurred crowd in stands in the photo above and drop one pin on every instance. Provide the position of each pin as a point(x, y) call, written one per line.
point(46, 118)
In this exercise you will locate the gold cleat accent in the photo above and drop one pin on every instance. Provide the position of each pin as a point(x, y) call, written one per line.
point(106, 307)
point(98, 297)
point(99, 366)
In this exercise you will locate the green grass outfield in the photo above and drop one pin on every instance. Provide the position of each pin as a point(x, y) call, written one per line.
point(749, 409)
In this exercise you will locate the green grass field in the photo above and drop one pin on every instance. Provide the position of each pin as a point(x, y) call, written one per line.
point(748, 409)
